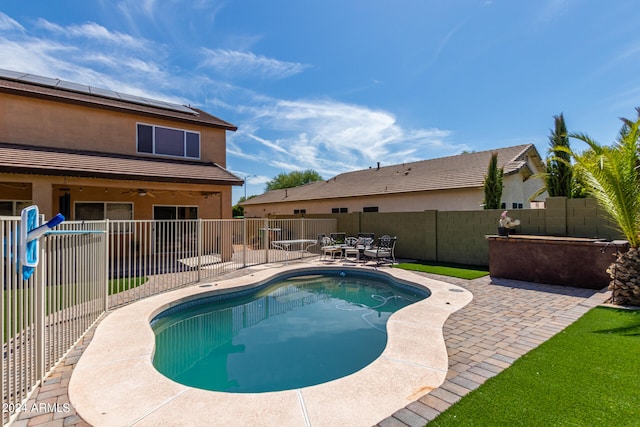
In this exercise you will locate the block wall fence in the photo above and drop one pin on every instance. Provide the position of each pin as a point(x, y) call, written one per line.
point(459, 236)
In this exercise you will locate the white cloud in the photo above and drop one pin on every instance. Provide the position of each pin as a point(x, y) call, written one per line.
point(93, 31)
point(8, 23)
point(325, 135)
point(233, 62)
point(333, 137)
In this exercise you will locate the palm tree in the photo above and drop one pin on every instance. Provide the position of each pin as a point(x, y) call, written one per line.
point(493, 184)
point(612, 177)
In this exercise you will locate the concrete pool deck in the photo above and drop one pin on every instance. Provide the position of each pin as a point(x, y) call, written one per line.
point(504, 320)
point(115, 383)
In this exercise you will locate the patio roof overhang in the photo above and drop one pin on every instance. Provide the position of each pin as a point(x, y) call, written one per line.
point(34, 160)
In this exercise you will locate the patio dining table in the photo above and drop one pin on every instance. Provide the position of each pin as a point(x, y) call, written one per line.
point(289, 245)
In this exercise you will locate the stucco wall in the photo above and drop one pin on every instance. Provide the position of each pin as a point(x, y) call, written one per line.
point(515, 191)
point(42, 122)
point(465, 199)
point(45, 192)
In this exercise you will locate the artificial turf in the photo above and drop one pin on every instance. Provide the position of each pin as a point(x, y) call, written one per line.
point(451, 270)
point(586, 375)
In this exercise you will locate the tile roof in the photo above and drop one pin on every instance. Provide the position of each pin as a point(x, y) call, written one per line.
point(61, 91)
point(16, 158)
point(461, 171)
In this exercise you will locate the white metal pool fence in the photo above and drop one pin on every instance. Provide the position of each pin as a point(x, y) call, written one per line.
point(86, 268)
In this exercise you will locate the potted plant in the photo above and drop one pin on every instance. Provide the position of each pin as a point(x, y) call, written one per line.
point(506, 225)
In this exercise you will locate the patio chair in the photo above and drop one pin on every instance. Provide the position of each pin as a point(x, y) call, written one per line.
point(338, 238)
point(328, 248)
point(352, 248)
point(371, 236)
point(384, 252)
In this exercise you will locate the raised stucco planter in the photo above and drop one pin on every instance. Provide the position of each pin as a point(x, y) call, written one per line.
point(567, 261)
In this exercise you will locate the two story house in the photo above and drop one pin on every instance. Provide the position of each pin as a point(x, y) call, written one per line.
point(91, 153)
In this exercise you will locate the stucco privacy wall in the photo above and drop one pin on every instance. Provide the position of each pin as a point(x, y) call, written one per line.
point(458, 236)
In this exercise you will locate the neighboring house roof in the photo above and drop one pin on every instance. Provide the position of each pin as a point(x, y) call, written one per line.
point(26, 159)
point(63, 91)
point(461, 171)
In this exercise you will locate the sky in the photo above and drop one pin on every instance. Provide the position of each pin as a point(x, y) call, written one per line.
point(336, 85)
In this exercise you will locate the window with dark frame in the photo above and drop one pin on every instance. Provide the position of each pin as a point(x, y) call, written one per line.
point(339, 210)
point(299, 211)
point(370, 209)
point(100, 210)
point(167, 141)
point(13, 207)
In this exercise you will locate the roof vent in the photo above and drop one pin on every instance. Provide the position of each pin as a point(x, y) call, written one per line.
point(378, 168)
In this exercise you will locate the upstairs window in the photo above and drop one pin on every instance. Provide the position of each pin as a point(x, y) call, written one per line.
point(168, 142)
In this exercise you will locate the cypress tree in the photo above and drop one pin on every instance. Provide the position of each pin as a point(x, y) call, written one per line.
point(493, 184)
point(559, 176)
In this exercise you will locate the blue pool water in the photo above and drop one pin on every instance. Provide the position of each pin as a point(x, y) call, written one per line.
point(296, 332)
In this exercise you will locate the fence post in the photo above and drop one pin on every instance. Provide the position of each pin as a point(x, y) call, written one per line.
point(244, 242)
point(266, 240)
point(39, 321)
point(107, 249)
point(199, 240)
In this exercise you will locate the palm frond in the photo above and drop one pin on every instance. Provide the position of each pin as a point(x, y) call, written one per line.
point(612, 176)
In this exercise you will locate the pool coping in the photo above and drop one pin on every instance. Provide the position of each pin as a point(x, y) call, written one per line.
point(114, 382)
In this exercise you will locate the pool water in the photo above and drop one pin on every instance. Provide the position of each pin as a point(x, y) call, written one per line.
point(289, 334)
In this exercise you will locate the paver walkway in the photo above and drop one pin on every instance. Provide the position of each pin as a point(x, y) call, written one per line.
point(505, 320)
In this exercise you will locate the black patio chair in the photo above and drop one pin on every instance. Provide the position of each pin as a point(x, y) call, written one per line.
point(384, 251)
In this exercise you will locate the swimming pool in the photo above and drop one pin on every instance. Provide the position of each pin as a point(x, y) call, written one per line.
point(294, 331)
point(115, 382)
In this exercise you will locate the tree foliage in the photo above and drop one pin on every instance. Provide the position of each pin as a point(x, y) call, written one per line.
point(292, 179)
point(238, 210)
point(612, 176)
point(493, 184)
point(559, 175)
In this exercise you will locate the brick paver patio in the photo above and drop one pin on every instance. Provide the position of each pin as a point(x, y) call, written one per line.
point(505, 320)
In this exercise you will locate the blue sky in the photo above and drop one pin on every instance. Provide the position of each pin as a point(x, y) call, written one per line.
point(340, 85)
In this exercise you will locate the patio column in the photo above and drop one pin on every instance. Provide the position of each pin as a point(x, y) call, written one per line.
point(42, 195)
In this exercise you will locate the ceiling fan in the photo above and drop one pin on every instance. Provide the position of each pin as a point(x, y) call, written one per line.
point(141, 192)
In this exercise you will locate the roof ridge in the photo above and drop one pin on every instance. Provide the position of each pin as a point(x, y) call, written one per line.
point(525, 147)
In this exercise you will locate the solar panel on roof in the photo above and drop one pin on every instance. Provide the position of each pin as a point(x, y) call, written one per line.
point(76, 87)
point(169, 105)
point(103, 92)
point(10, 74)
point(45, 81)
point(131, 98)
point(80, 88)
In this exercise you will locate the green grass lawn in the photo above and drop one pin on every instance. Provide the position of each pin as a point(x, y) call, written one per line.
point(452, 270)
point(587, 375)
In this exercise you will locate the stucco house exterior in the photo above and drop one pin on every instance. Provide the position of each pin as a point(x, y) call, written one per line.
point(447, 183)
point(92, 153)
